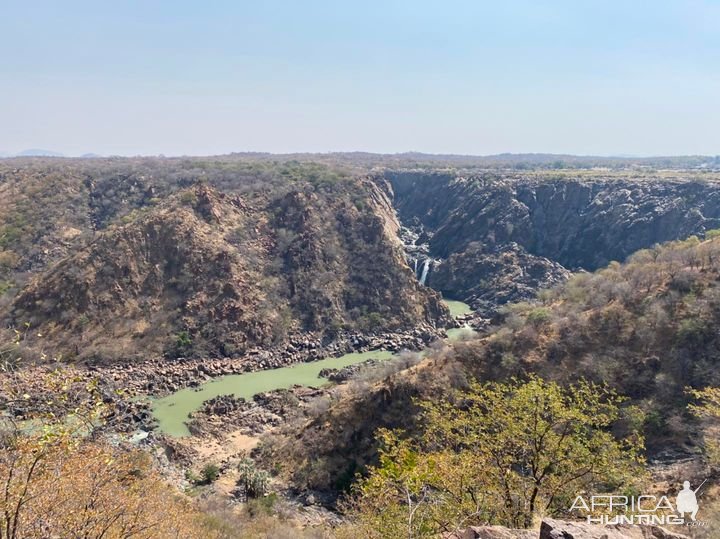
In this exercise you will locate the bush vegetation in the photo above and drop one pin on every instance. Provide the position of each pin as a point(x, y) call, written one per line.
point(640, 333)
point(60, 477)
point(498, 453)
point(644, 328)
point(209, 473)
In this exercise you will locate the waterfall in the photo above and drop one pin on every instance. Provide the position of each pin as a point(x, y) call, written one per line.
point(426, 268)
point(416, 261)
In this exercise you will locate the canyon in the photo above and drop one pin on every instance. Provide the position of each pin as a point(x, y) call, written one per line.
point(494, 238)
point(191, 258)
point(295, 307)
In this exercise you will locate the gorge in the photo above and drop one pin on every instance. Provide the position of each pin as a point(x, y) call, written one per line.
point(292, 310)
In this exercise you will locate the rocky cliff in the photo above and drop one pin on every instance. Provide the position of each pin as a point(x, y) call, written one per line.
point(515, 233)
point(306, 247)
point(210, 274)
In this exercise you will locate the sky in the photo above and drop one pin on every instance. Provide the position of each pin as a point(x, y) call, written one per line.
point(629, 77)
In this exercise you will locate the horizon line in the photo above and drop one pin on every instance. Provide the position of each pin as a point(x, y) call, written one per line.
point(51, 154)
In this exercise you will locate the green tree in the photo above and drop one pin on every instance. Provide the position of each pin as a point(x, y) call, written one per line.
point(707, 408)
point(712, 234)
point(501, 453)
point(209, 473)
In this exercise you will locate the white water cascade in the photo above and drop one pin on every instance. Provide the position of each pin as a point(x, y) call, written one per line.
point(425, 270)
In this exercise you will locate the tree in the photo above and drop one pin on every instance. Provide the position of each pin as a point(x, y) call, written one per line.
point(252, 481)
point(500, 453)
point(413, 493)
point(58, 475)
point(707, 408)
point(63, 488)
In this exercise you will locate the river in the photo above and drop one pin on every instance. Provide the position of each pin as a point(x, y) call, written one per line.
point(172, 411)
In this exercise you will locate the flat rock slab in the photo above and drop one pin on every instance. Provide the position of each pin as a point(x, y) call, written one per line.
point(560, 529)
point(493, 532)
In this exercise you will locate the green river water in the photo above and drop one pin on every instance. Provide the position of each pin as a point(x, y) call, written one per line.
point(172, 411)
point(457, 308)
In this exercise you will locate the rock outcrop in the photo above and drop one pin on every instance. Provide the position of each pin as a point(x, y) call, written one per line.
point(487, 279)
point(346, 373)
point(562, 529)
point(515, 233)
point(265, 411)
point(210, 274)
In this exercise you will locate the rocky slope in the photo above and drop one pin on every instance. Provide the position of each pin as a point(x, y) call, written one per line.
point(519, 232)
point(305, 246)
point(486, 277)
point(645, 328)
point(209, 274)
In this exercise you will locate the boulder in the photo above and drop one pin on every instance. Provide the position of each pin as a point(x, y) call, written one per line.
point(561, 529)
point(492, 532)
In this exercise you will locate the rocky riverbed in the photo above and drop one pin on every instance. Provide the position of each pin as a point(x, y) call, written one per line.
point(250, 417)
point(129, 387)
point(158, 378)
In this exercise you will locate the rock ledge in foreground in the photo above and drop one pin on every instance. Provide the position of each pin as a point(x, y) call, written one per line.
point(561, 529)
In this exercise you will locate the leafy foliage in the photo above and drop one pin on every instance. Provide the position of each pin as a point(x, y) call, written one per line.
point(707, 408)
point(646, 328)
point(209, 473)
point(58, 475)
point(500, 453)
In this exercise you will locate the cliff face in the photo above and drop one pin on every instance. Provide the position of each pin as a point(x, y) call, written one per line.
point(547, 223)
point(211, 274)
point(342, 258)
point(487, 278)
point(266, 250)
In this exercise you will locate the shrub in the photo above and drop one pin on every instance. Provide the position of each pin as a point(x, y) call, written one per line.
point(189, 198)
point(254, 482)
point(537, 317)
point(209, 473)
point(183, 339)
point(693, 332)
point(498, 453)
point(372, 321)
point(62, 479)
point(264, 505)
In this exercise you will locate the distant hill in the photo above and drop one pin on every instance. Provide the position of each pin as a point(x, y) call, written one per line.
point(35, 152)
point(525, 161)
point(417, 160)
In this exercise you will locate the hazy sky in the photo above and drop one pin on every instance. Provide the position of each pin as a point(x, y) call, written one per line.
point(475, 77)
